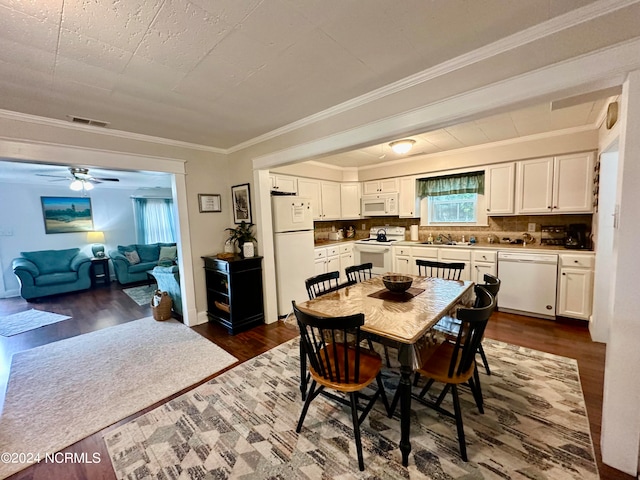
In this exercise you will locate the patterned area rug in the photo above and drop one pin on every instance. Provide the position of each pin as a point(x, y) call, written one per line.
point(141, 295)
point(29, 320)
point(242, 425)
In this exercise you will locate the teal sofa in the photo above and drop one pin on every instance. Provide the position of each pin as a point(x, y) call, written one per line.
point(49, 272)
point(168, 280)
point(148, 254)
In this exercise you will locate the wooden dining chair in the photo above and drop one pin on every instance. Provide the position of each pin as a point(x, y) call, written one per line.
point(359, 273)
point(454, 363)
point(321, 284)
point(448, 271)
point(341, 365)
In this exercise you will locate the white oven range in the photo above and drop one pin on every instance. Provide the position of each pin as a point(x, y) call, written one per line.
point(377, 248)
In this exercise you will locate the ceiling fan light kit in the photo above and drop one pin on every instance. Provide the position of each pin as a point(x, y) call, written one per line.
point(402, 146)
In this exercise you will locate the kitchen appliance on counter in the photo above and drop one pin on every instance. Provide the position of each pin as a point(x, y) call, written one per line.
point(528, 283)
point(293, 245)
point(377, 248)
point(577, 237)
point(380, 205)
point(553, 235)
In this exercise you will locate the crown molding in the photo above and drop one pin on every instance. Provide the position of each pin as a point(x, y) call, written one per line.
point(54, 122)
point(531, 34)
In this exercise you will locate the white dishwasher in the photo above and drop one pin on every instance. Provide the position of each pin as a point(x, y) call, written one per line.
point(528, 283)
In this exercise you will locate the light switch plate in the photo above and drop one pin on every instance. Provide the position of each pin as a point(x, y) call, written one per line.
point(532, 227)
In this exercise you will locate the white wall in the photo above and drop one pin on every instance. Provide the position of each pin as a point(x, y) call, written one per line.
point(620, 439)
point(112, 214)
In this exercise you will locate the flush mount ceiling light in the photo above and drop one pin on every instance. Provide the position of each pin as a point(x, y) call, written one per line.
point(402, 146)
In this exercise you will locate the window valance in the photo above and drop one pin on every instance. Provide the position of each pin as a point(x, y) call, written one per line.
point(451, 184)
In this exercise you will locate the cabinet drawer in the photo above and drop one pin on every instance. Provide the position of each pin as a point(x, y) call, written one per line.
point(578, 261)
point(402, 251)
point(320, 253)
point(484, 256)
point(348, 248)
point(333, 251)
point(425, 252)
point(454, 254)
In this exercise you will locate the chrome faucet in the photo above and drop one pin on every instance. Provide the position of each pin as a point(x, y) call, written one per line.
point(448, 238)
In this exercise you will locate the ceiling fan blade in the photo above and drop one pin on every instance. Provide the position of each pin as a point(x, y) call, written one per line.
point(106, 179)
point(54, 176)
point(92, 180)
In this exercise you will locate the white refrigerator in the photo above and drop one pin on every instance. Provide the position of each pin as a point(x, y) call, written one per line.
point(293, 243)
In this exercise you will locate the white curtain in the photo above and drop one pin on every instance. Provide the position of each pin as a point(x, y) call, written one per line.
point(155, 220)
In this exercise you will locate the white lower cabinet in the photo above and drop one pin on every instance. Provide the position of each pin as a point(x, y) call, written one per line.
point(402, 260)
point(346, 260)
point(575, 285)
point(422, 253)
point(483, 261)
point(456, 254)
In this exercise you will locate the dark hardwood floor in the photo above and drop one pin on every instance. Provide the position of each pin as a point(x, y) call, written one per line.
point(107, 306)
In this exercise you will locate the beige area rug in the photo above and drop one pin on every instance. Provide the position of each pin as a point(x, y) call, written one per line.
point(28, 320)
point(65, 391)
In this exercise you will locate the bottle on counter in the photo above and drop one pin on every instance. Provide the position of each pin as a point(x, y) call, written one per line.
point(429, 239)
point(463, 240)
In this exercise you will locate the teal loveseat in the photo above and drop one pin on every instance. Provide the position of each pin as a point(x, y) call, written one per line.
point(132, 262)
point(49, 272)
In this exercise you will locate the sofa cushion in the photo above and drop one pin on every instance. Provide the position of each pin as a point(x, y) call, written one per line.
point(149, 253)
point(52, 261)
point(168, 252)
point(126, 248)
point(132, 257)
point(142, 267)
point(56, 278)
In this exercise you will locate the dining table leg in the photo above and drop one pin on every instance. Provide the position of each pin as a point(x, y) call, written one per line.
point(303, 372)
point(406, 369)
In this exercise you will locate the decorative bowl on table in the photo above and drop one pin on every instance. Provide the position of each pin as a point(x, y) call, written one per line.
point(397, 283)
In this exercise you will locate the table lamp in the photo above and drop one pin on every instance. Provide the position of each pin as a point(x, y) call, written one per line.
point(97, 239)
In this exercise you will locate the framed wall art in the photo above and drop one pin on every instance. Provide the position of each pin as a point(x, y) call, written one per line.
point(241, 198)
point(209, 202)
point(67, 214)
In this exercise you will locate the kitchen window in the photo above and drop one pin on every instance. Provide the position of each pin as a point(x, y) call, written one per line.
point(452, 199)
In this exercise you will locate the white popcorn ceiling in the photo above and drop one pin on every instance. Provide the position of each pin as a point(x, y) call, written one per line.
point(219, 73)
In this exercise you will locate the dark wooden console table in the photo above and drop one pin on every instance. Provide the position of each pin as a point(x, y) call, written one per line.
point(234, 292)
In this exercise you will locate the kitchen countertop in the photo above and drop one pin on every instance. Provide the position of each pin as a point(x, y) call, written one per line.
point(530, 248)
point(323, 242)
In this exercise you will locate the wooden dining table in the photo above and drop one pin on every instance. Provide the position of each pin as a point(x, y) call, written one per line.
point(403, 320)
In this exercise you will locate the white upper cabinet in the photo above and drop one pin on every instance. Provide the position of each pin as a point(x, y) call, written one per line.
point(407, 205)
point(388, 185)
point(573, 183)
point(350, 200)
point(325, 198)
point(500, 181)
point(283, 183)
point(562, 184)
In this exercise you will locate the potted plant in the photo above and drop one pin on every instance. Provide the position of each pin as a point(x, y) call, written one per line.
point(242, 234)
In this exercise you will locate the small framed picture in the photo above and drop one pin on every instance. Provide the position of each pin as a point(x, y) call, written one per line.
point(241, 203)
point(209, 202)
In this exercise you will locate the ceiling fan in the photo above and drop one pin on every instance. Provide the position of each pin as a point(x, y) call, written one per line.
point(80, 178)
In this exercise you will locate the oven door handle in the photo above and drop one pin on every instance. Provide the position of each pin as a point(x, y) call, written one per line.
point(373, 250)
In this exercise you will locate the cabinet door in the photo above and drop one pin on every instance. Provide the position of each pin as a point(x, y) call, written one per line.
point(573, 183)
point(333, 264)
point(479, 269)
point(535, 185)
point(370, 188)
point(311, 188)
point(402, 265)
point(575, 293)
point(330, 198)
point(284, 184)
point(389, 185)
point(320, 266)
point(346, 260)
point(500, 188)
point(407, 205)
point(349, 200)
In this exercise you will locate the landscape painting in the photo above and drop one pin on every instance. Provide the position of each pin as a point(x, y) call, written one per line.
point(67, 214)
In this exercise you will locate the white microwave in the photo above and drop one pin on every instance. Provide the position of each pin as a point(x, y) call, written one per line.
point(380, 205)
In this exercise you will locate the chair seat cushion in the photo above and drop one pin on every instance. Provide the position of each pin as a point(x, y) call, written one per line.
point(56, 278)
point(370, 365)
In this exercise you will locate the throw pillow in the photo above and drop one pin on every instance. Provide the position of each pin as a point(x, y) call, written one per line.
point(168, 252)
point(165, 262)
point(132, 257)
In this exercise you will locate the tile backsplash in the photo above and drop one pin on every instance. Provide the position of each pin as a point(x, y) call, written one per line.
point(499, 228)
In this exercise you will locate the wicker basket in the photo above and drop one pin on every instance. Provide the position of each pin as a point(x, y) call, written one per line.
point(161, 305)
